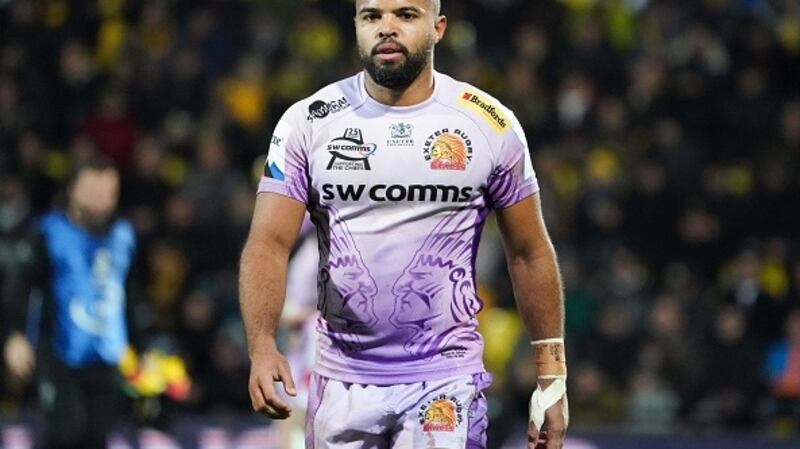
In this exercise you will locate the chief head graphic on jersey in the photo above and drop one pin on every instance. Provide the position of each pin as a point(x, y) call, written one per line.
point(347, 289)
point(440, 271)
point(449, 149)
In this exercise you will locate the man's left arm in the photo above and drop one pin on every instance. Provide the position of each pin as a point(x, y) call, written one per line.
point(538, 292)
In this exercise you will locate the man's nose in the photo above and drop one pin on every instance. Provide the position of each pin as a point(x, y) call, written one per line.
point(387, 33)
point(388, 27)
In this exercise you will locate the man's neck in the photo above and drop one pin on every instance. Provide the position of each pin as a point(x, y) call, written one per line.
point(417, 92)
point(75, 217)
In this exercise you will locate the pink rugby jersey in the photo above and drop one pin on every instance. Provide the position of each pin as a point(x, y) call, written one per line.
point(399, 196)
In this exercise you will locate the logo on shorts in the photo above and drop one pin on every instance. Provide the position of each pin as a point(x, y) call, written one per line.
point(401, 135)
point(349, 152)
point(320, 109)
point(441, 414)
point(448, 150)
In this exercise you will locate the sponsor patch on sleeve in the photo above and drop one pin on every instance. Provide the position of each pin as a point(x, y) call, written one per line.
point(483, 107)
point(275, 166)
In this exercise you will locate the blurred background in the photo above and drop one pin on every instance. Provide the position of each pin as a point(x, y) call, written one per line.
point(665, 135)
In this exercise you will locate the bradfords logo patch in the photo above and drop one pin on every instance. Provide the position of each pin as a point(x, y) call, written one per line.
point(488, 111)
point(441, 414)
point(320, 109)
point(349, 152)
point(401, 135)
point(448, 150)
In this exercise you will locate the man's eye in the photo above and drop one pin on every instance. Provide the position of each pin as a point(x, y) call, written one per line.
point(407, 16)
point(371, 17)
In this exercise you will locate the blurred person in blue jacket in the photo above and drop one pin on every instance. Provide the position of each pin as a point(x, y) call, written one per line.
point(74, 308)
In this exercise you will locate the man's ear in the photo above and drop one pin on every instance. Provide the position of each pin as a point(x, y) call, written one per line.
point(440, 25)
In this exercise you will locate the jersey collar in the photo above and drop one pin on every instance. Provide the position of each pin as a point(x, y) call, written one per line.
point(370, 103)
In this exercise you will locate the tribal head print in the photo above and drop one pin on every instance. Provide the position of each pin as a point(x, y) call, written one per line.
point(347, 289)
point(435, 295)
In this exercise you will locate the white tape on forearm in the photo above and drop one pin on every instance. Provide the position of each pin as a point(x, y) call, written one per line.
point(552, 376)
point(541, 400)
point(548, 341)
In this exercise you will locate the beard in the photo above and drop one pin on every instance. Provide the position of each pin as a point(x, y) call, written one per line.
point(396, 75)
point(97, 225)
point(93, 222)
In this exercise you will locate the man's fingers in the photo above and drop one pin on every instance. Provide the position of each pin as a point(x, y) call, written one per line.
point(555, 425)
point(256, 396)
point(553, 431)
point(266, 369)
point(555, 438)
point(26, 366)
point(20, 368)
point(21, 375)
point(273, 413)
point(285, 374)
point(265, 401)
point(19, 357)
point(536, 439)
point(276, 407)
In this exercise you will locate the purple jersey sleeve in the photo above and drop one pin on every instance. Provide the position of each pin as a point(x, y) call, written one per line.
point(513, 178)
point(286, 169)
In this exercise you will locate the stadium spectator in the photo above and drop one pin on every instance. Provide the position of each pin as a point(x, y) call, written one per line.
point(76, 304)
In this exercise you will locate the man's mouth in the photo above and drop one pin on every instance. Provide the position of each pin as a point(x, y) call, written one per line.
point(388, 51)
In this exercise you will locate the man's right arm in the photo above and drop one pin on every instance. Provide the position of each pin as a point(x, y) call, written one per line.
point(30, 274)
point(262, 288)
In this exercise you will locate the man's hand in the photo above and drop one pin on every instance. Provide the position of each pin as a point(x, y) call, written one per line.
point(267, 367)
point(19, 357)
point(556, 420)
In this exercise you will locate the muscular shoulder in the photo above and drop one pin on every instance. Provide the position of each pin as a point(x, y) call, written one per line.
point(501, 128)
point(326, 104)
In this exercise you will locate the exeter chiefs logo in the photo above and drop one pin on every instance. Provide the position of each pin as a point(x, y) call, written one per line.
point(448, 150)
point(441, 414)
point(349, 152)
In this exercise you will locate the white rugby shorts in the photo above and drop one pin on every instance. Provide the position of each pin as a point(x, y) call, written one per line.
point(448, 413)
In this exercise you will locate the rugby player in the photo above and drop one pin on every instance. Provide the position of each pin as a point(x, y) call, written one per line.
point(399, 167)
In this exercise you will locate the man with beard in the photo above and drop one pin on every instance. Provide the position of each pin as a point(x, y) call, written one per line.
point(76, 289)
point(399, 167)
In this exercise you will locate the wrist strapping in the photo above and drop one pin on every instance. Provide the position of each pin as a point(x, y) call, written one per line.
point(541, 400)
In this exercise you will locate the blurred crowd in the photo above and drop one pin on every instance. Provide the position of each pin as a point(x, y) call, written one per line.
point(665, 135)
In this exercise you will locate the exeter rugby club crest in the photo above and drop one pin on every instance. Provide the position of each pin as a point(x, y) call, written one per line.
point(448, 150)
point(441, 414)
point(350, 152)
point(400, 135)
